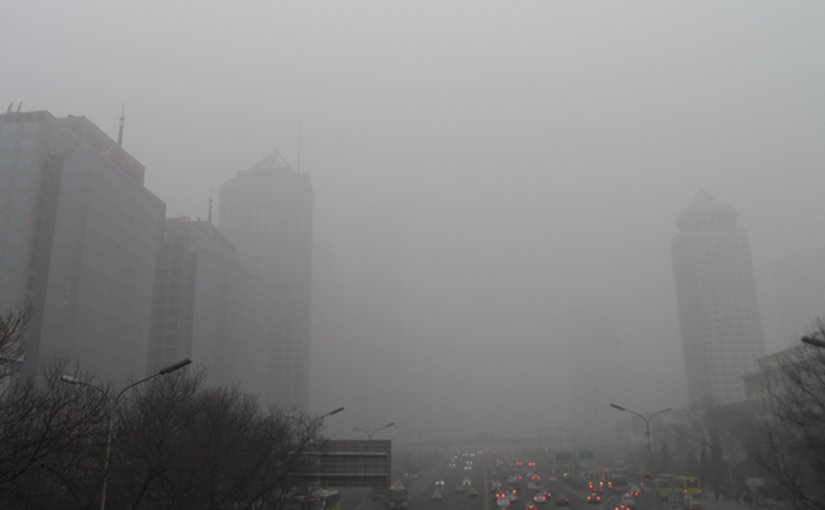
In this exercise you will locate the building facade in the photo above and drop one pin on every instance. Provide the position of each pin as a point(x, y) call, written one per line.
point(209, 309)
point(79, 235)
point(266, 212)
point(716, 296)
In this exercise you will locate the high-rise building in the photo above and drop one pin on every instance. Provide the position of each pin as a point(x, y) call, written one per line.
point(79, 235)
point(211, 310)
point(193, 263)
point(266, 212)
point(716, 295)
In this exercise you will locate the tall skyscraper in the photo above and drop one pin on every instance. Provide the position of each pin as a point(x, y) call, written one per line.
point(211, 310)
point(79, 235)
point(266, 212)
point(716, 294)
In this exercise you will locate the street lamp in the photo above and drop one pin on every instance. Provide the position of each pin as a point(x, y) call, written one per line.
point(371, 434)
point(110, 413)
point(313, 421)
point(334, 411)
point(646, 418)
point(811, 340)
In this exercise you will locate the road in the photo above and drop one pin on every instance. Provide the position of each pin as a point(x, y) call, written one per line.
point(485, 468)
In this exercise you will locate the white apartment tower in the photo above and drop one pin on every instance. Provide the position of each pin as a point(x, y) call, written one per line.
point(266, 212)
point(716, 295)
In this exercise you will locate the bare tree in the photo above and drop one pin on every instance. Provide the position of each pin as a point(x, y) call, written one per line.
point(49, 436)
point(12, 327)
point(180, 445)
point(793, 437)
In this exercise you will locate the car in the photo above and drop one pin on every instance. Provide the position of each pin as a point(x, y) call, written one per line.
point(562, 500)
point(594, 498)
point(530, 506)
point(540, 498)
point(472, 492)
point(439, 483)
point(690, 503)
point(437, 495)
point(548, 495)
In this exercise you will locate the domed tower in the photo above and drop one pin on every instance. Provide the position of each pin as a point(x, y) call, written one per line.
point(716, 295)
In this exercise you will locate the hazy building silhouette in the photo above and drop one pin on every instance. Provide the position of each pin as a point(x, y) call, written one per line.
point(79, 235)
point(716, 295)
point(211, 310)
point(267, 213)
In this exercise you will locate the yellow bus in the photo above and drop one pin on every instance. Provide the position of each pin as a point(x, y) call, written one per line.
point(686, 486)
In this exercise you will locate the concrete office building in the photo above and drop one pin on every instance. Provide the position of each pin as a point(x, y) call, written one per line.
point(211, 310)
point(716, 295)
point(79, 235)
point(267, 213)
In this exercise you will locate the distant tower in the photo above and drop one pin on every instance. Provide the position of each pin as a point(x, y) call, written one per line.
point(267, 213)
point(716, 294)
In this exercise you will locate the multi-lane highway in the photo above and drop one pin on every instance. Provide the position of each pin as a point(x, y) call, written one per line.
point(464, 483)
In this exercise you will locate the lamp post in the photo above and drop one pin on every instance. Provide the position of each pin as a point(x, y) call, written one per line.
point(315, 420)
point(811, 340)
point(110, 413)
point(371, 434)
point(646, 418)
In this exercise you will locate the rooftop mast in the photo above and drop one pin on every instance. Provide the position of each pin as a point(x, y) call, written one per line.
point(120, 130)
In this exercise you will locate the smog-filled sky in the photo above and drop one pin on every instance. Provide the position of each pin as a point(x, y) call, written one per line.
point(496, 183)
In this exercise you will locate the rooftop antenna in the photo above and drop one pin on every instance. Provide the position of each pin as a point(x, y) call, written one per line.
point(209, 216)
point(11, 105)
point(120, 129)
point(19, 106)
point(298, 163)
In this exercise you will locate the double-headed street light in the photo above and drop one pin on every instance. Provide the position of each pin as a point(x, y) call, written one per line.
point(111, 405)
point(371, 434)
point(646, 418)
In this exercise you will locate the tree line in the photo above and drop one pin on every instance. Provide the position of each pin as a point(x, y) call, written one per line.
point(176, 443)
point(758, 451)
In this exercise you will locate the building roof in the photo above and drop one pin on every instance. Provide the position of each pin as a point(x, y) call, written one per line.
point(705, 206)
point(273, 161)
